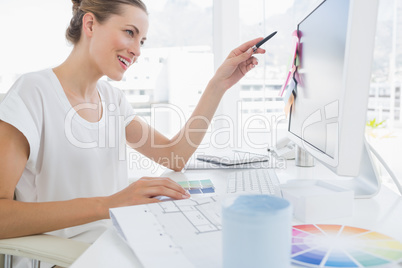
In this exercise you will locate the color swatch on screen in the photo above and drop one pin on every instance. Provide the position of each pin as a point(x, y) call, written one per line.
point(198, 186)
point(323, 245)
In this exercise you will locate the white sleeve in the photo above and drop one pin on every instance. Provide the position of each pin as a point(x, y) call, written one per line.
point(14, 111)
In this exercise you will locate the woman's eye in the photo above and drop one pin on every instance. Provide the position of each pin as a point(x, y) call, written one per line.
point(131, 33)
point(142, 43)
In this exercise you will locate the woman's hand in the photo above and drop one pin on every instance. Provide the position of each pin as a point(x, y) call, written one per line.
point(144, 191)
point(236, 65)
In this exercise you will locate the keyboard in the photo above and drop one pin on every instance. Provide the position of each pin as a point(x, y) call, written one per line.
point(257, 181)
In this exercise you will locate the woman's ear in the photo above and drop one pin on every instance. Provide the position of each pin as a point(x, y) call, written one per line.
point(87, 24)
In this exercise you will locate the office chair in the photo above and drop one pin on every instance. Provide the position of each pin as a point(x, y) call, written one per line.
point(47, 248)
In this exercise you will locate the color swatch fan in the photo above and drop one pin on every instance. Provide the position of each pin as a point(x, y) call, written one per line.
point(343, 246)
point(198, 186)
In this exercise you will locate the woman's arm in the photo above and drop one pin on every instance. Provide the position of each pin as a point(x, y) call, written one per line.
point(22, 218)
point(174, 153)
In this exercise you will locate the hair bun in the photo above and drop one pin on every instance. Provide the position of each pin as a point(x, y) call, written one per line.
point(76, 4)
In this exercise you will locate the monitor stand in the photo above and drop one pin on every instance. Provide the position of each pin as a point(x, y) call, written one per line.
point(367, 183)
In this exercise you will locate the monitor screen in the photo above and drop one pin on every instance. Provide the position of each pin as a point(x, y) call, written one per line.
point(322, 36)
point(328, 116)
point(329, 113)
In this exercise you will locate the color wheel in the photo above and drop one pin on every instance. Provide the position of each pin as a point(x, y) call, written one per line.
point(322, 245)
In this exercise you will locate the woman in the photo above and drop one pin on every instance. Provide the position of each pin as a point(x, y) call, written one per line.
point(63, 131)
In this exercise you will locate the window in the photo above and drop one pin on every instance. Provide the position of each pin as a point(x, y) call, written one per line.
point(261, 17)
point(175, 65)
point(179, 56)
point(258, 18)
point(32, 37)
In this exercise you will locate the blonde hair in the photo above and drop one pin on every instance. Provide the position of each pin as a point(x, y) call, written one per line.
point(102, 9)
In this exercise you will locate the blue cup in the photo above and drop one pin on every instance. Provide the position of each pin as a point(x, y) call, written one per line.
point(257, 231)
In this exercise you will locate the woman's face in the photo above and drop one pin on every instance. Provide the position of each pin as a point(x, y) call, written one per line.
point(115, 45)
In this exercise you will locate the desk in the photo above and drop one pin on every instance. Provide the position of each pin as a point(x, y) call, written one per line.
point(382, 213)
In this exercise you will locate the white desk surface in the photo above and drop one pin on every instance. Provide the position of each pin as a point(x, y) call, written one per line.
point(382, 213)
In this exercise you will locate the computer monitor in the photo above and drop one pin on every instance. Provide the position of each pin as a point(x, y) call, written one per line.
point(328, 117)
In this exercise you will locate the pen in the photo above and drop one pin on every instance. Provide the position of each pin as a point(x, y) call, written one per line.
point(263, 41)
